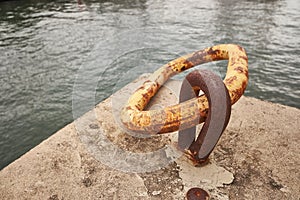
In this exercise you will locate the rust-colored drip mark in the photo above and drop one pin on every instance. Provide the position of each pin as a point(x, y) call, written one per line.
point(197, 194)
point(217, 118)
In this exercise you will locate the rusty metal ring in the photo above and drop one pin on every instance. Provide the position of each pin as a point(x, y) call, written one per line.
point(182, 116)
point(217, 117)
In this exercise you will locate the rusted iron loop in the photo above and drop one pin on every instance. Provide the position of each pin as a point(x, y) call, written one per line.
point(182, 116)
point(219, 111)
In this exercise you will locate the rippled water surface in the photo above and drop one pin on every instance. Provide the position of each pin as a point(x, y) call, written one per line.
point(47, 47)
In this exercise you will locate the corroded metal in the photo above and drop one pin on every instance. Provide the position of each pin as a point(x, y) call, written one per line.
point(197, 194)
point(182, 116)
point(219, 111)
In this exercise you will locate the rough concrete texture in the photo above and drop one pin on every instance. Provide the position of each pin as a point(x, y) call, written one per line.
point(256, 158)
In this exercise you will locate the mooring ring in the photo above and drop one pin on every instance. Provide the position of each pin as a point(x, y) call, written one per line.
point(217, 119)
point(182, 116)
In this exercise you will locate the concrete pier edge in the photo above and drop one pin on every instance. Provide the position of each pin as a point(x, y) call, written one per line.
point(258, 157)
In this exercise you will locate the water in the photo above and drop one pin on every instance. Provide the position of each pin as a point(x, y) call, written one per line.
point(49, 52)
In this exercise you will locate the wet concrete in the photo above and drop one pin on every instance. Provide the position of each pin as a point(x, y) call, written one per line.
point(257, 158)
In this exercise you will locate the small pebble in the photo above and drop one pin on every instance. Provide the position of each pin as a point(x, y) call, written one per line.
point(154, 193)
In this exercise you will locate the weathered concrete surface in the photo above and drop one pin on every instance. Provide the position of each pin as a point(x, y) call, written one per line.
point(259, 150)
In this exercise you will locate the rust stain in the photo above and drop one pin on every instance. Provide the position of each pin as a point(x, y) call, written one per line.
point(244, 58)
point(239, 69)
point(230, 80)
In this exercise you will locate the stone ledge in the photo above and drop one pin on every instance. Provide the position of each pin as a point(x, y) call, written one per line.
point(257, 158)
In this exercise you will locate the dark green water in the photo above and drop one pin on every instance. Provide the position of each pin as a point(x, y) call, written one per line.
point(47, 47)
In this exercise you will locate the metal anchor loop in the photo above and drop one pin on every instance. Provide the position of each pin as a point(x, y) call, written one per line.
point(219, 110)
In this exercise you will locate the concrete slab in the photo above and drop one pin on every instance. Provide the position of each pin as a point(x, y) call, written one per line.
point(93, 158)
